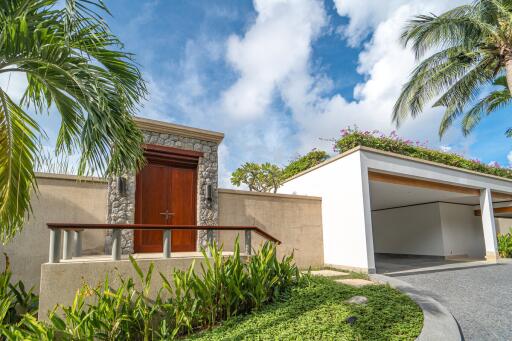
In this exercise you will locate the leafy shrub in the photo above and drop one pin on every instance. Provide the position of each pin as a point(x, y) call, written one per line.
point(226, 287)
point(505, 244)
point(15, 300)
point(352, 138)
point(304, 162)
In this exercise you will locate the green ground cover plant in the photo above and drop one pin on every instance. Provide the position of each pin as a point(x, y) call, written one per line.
point(187, 302)
point(505, 244)
point(351, 138)
point(318, 311)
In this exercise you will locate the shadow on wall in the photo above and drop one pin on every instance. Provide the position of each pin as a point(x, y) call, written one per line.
point(59, 200)
point(295, 220)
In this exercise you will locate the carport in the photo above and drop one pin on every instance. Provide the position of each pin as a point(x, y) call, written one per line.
point(421, 224)
point(377, 203)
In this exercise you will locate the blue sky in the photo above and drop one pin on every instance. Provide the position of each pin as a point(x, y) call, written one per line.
point(280, 77)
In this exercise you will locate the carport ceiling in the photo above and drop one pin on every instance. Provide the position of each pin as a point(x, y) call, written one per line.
point(388, 195)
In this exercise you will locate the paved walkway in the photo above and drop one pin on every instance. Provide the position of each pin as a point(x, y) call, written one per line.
point(480, 296)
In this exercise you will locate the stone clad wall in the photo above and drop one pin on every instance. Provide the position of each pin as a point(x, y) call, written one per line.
point(121, 210)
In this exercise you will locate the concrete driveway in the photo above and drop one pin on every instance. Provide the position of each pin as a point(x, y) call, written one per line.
point(479, 295)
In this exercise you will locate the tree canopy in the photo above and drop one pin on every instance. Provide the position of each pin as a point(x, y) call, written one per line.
point(76, 67)
point(472, 50)
point(268, 177)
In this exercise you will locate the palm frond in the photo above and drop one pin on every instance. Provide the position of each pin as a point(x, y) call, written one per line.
point(18, 149)
point(457, 27)
point(75, 64)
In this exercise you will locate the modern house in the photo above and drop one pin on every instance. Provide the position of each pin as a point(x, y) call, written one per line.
point(344, 213)
point(378, 203)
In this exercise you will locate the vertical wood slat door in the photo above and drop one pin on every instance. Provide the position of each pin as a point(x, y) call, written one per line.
point(183, 204)
point(164, 189)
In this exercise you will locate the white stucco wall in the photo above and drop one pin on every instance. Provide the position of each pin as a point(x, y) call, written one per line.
point(462, 231)
point(434, 229)
point(412, 230)
point(346, 216)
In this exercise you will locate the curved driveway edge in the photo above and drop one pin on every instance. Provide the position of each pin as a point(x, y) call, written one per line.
point(438, 322)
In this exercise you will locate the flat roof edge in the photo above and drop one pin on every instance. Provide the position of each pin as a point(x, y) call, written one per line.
point(178, 129)
point(267, 194)
point(397, 156)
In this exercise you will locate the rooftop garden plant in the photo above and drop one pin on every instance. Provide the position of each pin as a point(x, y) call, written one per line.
point(351, 138)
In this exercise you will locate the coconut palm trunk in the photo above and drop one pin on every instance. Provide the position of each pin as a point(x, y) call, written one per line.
point(508, 72)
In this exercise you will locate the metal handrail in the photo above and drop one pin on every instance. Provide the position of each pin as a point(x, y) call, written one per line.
point(77, 229)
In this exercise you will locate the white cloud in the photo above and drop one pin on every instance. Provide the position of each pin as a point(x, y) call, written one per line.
point(509, 158)
point(276, 47)
point(274, 60)
point(278, 106)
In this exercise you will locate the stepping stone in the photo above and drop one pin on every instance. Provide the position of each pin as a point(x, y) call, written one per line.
point(357, 300)
point(328, 273)
point(355, 282)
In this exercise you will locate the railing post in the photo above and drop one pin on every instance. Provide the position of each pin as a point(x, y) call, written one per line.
point(248, 248)
point(209, 237)
point(78, 243)
point(54, 246)
point(116, 244)
point(67, 245)
point(167, 244)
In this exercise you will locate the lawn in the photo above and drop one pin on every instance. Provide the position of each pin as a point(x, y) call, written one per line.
point(319, 311)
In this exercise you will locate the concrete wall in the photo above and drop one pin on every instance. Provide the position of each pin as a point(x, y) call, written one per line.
point(61, 199)
point(60, 282)
point(414, 230)
point(462, 231)
point(434, 229)
point(347, 228)
point(294, 220)
point(503, 225)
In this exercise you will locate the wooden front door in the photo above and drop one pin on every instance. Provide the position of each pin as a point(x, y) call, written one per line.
point(166, 194)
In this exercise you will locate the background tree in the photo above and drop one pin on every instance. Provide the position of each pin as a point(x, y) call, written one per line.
point(260, 178)
point(474, 44)
point(248, 174)
point(271, 177)
point(74, 65)
point(304, 162)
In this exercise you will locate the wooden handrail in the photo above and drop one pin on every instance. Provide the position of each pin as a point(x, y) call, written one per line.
point(79, 227)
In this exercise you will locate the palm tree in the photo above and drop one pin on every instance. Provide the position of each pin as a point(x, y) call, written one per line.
point(495, 100)
point(473, 49)
point(75, 66)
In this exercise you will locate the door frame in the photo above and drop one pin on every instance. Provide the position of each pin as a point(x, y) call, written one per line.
point(171, 157)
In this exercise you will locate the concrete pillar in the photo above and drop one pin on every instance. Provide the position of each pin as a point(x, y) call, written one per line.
point(367, 211)
point(67, 245)
point(78, 244)
point(167, 244)
point(488, 224)
point(116, 244)
point(248, 243)
point(54, 254)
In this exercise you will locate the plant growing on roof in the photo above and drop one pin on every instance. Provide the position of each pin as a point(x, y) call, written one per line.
point(352, 138)
point(304, 162)
point(72, 62)
point(474, 51)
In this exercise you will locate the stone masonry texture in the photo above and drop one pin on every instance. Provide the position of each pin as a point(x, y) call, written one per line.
point(121, 209)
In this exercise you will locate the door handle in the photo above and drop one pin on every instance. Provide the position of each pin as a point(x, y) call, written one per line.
point(167, 214)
